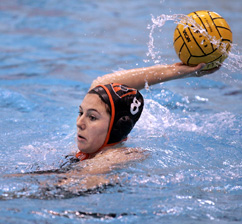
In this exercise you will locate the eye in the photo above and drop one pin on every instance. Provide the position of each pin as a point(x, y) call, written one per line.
point(80, 113)
point(92, 118)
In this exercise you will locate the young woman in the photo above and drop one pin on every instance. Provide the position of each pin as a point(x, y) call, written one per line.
point(107, 114)
point(113, 105)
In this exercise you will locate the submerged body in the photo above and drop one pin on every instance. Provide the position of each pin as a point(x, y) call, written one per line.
point(91, 173)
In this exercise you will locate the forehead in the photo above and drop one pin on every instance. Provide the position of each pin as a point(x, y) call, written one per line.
point(93, 101)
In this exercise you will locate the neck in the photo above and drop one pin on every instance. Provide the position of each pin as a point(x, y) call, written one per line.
point(83, 156)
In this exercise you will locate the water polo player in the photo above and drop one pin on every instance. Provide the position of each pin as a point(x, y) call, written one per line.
point(110, 110)
point(107, 114)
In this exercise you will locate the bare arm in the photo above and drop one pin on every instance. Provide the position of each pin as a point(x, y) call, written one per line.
point(137, 78)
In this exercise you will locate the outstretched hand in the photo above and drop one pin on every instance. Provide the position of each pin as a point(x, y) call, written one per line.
point(185, 71)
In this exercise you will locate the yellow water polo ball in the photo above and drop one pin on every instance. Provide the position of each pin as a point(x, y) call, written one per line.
point(202, 37)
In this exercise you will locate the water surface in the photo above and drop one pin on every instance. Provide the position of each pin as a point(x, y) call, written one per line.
point(50, 53)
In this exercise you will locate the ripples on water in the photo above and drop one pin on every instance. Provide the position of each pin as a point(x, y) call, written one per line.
point(50, 52)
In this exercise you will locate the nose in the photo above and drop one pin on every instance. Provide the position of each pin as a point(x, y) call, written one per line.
point(80, 122)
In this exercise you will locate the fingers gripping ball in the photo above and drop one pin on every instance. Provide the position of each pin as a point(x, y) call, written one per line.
point(202, 37)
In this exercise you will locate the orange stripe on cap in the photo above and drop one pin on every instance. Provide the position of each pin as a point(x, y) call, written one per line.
point(130, 93)
point(112, 115)
point(116, 87)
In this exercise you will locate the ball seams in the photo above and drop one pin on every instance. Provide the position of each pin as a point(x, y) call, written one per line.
point(203, 27)
point(196, 40)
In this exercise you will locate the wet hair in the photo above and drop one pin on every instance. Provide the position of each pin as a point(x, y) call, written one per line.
point(108, 109)
point(125, 106)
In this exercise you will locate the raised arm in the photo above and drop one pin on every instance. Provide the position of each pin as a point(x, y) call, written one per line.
point(137, 78)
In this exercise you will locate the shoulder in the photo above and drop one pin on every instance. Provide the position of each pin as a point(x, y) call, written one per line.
point(121, 155)
point(107, 160)
point(90, 172)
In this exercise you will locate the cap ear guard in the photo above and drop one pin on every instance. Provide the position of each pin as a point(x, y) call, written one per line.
point(121, 129)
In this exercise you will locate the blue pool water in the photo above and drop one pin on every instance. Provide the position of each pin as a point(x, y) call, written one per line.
point(52, 50)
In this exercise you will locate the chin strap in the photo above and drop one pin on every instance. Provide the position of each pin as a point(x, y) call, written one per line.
point(82, 156)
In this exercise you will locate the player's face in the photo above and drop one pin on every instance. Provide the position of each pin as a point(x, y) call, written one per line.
point(92, 124)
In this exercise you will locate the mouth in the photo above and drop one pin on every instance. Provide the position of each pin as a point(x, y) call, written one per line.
point(81, 138)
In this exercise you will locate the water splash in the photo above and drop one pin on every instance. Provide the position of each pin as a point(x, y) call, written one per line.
point(159, 22)
point(233, 63)
point(160, 121)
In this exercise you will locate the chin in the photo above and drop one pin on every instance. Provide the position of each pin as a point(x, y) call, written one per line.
point(87, 150)
point(81, 148)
